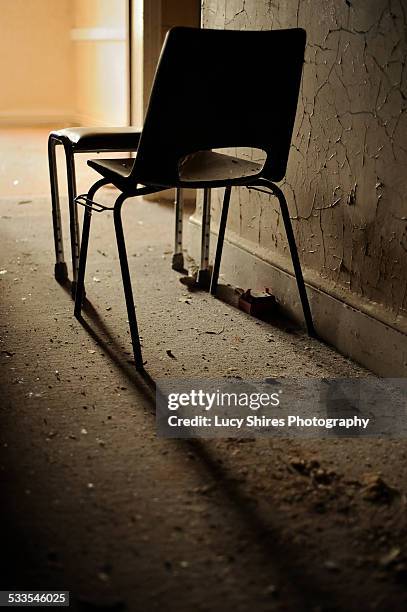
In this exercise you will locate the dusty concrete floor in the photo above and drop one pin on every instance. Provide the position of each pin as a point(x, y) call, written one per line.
point(93, 502)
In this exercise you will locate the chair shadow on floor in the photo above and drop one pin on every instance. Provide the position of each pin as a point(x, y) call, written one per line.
point(282, 556)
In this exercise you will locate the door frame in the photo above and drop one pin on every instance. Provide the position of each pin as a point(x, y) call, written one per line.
point(145, 26)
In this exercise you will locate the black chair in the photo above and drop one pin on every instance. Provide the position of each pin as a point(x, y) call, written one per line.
point(90, 140)
point(209, 92)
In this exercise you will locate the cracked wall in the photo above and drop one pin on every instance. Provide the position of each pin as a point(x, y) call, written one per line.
point(347, 176)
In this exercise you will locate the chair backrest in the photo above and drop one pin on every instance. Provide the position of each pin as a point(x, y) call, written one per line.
point(221, 88)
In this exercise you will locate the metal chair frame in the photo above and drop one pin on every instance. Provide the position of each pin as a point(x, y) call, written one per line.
point(71, 148)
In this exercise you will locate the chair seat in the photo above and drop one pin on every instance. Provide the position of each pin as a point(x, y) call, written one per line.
point(113, 169)
point(211, 167)
point(199, 169)
point(88, 139)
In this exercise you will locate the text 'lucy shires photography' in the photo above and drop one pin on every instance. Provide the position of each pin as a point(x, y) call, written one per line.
point(287, 407)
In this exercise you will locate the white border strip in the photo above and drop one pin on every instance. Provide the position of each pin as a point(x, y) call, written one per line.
point(100, 34)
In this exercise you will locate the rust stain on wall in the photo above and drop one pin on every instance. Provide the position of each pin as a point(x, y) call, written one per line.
point(347, 178)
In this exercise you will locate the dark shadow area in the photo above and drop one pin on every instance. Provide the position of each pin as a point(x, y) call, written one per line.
point(285, 558)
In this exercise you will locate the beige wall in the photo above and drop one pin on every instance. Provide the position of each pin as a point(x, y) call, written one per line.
point(65, 61)
point(52, 76)
point(99, 13)
point(347, 182)
point(101, 95)
point(35, 61)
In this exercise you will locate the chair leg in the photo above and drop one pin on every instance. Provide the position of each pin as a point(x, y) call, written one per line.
point(128, 292)
point(73, 213)
point(294, 257)
point(60, 270)
point(203, 274)
point(178, 256)
point(80, 284)
point(219, 244)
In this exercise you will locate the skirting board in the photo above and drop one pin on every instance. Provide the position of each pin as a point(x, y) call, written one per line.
point(356, 334)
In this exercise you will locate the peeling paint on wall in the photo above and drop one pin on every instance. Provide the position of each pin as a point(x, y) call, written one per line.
point(347, 177)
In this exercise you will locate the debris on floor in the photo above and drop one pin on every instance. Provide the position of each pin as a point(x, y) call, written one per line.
point(377, 490)
point(271, 524)
point(258, 303)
